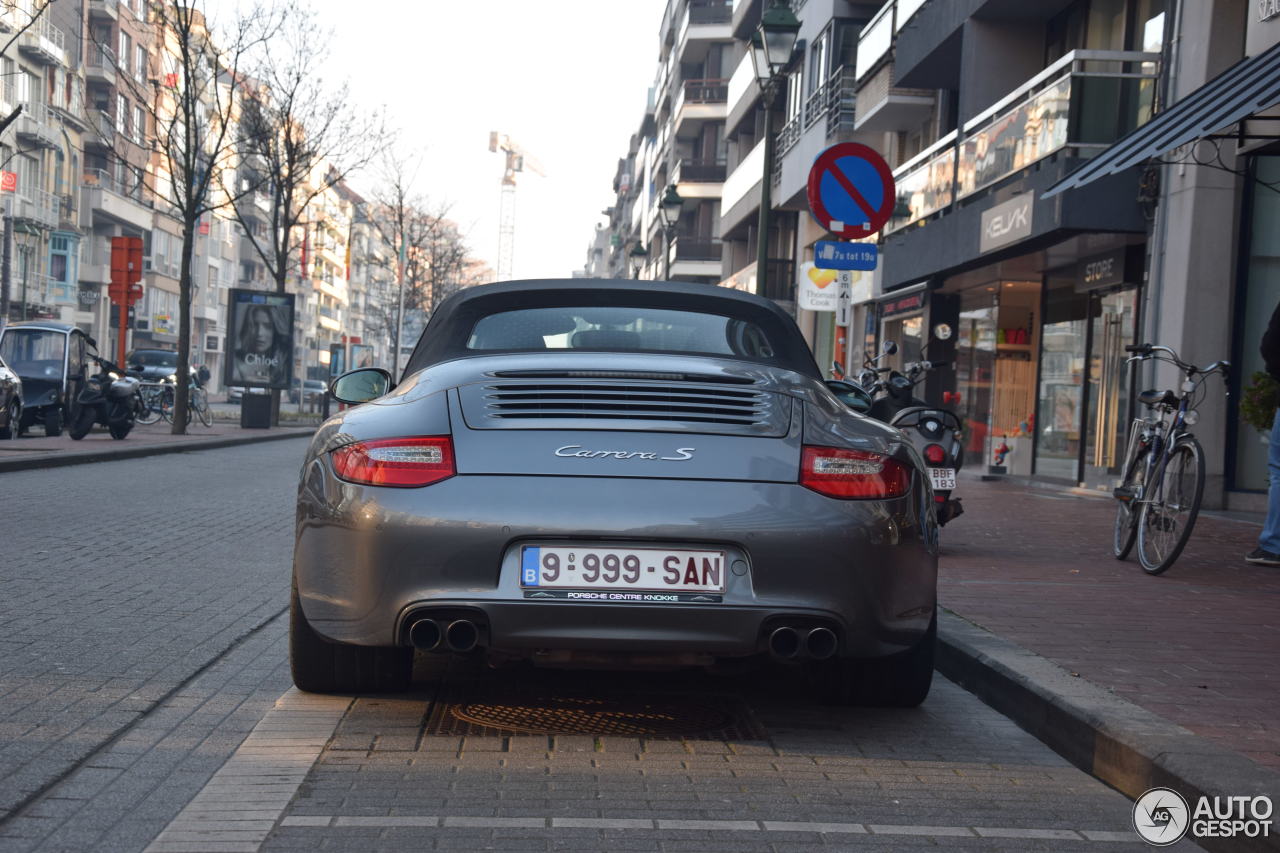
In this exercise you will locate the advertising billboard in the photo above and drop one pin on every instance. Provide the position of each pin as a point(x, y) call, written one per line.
point(260, 339)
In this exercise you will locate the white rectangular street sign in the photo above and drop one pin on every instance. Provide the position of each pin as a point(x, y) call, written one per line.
point(844, 293)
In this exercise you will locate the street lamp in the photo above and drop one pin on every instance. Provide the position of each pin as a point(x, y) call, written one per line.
point(669, 210)
point(771, 47)
point(638, 254)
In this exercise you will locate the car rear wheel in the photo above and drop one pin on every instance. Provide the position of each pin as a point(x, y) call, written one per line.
point(53, 422)
point(13, 422)
point(898, 681)
point(321, 666)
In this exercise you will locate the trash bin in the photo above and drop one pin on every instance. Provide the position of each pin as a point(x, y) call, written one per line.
point(255, 411)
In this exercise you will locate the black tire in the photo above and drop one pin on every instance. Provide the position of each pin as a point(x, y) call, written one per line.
point(1169, 511)
point(321, 666)
point(148, 410)
point(53, 422)
point(13, 423)
point(898, 681)
point(1125, 531)
point(83, 423)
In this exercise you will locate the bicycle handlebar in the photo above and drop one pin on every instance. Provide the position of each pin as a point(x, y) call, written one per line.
point(1144, 351)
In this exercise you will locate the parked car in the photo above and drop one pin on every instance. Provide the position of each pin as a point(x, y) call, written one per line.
point(152, 365)
point(612, 474)
point(51, 358)
point(313, 391)
point(235, 393)
point(10, 402)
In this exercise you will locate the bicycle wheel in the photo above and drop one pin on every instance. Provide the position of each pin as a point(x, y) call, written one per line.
point(1171, 505)
point(166, 404)
point(1126, 527)
point(148, 409)
point(200, 404)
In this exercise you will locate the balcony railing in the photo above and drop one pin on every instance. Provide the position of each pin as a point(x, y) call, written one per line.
point(1083, 102)
point(696, 248)
point(789, 135)
point(38, 206)
point(842, 101)
point(696, 171)
point(875, 40)
point(710, 11)
point(101, 179)
point(709, 90)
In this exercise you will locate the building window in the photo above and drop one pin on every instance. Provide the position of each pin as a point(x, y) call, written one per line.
point(124, 52)
point(140, 70)
point(818, 70)
point(122, 114)
point(139, 124)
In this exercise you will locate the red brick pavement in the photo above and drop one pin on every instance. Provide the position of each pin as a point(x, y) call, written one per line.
point(1198, 645)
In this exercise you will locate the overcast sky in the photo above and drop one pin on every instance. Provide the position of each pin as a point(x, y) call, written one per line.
point(566, 79)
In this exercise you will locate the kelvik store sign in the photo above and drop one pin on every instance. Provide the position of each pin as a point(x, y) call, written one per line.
point(1007, 222)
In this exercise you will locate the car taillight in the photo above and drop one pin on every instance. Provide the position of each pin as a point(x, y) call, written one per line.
point(402, 462)
point(840, 473)
point(934, 454)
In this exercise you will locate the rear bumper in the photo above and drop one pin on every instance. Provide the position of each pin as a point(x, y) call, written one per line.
point(368, 561)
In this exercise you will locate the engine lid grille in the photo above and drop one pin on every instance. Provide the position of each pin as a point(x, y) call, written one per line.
point(669, 404)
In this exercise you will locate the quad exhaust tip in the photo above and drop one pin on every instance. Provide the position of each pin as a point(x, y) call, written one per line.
point(462, 635)
point(425, 634)
point(821, 643)
point(784, 643)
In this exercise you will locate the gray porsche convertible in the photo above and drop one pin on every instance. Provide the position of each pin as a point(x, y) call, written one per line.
point(613, 474)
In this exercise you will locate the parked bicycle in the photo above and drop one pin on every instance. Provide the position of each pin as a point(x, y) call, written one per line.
point(197, 397)
point(151, 395)
point(1159, 498)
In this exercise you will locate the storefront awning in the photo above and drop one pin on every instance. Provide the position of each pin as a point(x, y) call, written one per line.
point(1249, 86)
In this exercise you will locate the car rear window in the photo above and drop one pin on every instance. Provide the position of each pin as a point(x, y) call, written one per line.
point(621, 329)
point(154, 358)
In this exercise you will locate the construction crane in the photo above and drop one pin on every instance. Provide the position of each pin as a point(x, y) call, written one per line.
point(517, 161)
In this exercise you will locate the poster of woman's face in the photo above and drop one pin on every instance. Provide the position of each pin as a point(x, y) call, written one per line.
point(261, 339)
point(361, 355)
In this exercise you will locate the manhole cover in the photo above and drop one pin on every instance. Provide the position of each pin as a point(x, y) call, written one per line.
point(718, 717)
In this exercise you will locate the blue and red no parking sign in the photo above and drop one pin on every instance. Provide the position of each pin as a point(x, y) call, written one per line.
point(851, 191)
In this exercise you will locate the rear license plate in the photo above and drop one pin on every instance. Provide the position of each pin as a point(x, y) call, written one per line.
point(613, 569)
point(943, 478)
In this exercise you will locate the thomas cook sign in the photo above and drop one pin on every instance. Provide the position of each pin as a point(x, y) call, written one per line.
point(1006, 223)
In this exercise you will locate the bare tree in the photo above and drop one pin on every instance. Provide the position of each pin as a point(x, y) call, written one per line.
point(424, 242)
point(301, 137)
point(195, 113)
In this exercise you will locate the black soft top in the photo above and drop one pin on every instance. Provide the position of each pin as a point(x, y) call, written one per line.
point(445, 337)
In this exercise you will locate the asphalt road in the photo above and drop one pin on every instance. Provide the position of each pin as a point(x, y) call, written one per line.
point(145, 704)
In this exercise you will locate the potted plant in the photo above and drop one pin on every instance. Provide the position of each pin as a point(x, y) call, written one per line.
point(1258, 403)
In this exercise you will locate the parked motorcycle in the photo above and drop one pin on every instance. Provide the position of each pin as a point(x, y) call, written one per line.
point(934, 431)
point(110, 397)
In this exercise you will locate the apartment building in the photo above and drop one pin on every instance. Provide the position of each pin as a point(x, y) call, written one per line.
point(41, 74)
point(997, 119)
point(680, 146)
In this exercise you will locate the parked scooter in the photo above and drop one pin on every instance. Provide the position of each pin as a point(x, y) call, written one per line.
point(110, 397)
point(934, 431)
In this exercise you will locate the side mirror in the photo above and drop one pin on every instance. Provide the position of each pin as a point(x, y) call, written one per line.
point(360, 386)
point(851, 395)
point(889, 348)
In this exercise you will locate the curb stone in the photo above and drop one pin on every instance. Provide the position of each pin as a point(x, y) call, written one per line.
point(56, 459)
point(1122, 744)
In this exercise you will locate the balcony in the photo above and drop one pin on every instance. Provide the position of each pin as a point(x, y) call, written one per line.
point(696, 178)
point(35, 127)
point(101, 68)
point(103, 196)
point(38, 206)
point(101, 134)
point(103, 10)
point(703, 22)
point(875, 41)
point(44, 43)
point(1079, 104)
point(699, 100)
point(882, 106)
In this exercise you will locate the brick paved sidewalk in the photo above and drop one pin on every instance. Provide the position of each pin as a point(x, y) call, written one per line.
point(1197, 645)
point(36, 446)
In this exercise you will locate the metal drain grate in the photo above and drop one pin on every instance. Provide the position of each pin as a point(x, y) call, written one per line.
point(468, 711)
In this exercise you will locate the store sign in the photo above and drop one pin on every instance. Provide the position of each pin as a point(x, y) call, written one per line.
point(1268, 9)
point(1100, 271)
point(902, 305)
point(1007, 222)
point(816, 288)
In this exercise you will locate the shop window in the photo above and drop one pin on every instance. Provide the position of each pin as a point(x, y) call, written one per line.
point(1260, 293)
point(1059, 419)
